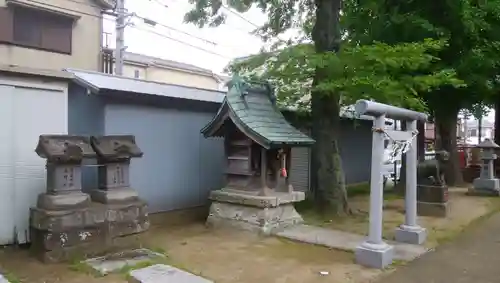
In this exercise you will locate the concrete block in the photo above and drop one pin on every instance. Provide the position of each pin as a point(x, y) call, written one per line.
point(432, 209)
point(375, 256)
point(414, 235)
point(161, 273)
point(116, 261)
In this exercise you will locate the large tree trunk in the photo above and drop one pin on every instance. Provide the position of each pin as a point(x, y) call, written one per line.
point(497, 121)
point(479, 129)
point(328, 179)
point(446, 139)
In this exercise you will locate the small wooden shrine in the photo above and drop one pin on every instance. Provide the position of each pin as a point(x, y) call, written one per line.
point(258, 142)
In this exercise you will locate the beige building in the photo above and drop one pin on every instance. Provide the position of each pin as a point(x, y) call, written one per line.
point(166, 71)
point(51, 34)
point(38, 39)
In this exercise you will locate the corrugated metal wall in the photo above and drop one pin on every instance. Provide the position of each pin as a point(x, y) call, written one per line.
point(300, 166)
point(355, 149)
point(179, 166)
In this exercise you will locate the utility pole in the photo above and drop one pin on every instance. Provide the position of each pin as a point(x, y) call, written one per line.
point(120, 36)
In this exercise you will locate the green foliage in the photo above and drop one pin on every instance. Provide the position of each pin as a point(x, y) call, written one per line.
point(470, 28)
point(392, 74)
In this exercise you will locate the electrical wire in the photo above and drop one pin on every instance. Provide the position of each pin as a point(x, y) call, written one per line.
point(237, 14)
point(136, 27)
point(153, 22)
point(182, 42)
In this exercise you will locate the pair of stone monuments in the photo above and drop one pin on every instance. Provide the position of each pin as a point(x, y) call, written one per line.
point(67, 221)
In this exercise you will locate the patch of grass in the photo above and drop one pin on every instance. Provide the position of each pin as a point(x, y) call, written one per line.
point(358, 189)
point(78, 265)
point(11, 277)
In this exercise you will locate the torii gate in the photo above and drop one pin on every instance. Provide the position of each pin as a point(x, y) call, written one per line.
point(374, 252)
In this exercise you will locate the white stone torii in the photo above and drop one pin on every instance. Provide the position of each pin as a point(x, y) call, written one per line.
point(374, 252)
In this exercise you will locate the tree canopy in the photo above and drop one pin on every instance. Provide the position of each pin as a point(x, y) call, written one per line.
point(435, 56)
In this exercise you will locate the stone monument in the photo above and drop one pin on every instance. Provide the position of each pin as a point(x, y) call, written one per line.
point(58, 223)
point(258, 141)
point(66, 223)
point(374, 252)
point(487, 183)
point(432, 191)
point(129, 213)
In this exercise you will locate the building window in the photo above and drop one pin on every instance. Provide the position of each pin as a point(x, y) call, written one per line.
point(39, 29)
point(473, 133)
point(136, 74)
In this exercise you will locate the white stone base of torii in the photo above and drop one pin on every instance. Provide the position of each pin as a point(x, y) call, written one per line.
point(374, 252)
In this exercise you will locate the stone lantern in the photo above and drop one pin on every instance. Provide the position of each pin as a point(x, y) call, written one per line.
point(487, 183)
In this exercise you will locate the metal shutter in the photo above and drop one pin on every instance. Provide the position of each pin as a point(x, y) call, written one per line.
point(299, 171)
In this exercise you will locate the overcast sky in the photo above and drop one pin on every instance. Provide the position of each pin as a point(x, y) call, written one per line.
point(211, 48)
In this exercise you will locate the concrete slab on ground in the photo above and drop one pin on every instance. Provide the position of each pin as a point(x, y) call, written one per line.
point(160, 273)
point(345, 241)
point(3, 279)
point(114, 262)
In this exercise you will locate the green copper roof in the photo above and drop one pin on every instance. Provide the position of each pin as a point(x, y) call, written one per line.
point(251, 107)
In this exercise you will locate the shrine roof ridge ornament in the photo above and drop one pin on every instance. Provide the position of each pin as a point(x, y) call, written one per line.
point(372, 108)
point(251, 106)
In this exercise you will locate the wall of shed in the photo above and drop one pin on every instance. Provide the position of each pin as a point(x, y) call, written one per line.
point(179, 167)
point(86, 118)
point(355, 149)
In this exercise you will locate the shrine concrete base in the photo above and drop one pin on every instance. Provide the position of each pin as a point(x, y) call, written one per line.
point(374, 255)
point(433, 209)
point(252, 212)
point(410, 235)
point(485, 187)
point(60, 235)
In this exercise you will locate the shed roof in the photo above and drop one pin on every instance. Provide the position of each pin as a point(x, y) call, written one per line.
point(100, 81)
point(252, 108)
point(97, 82)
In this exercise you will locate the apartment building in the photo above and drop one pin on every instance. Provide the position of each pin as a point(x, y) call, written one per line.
point(160, 70)
point(38, 39)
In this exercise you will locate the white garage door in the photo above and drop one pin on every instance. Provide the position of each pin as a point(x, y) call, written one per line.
point(25, 113)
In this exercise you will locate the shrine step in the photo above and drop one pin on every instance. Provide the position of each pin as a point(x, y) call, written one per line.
point(161, 273)
point(344, 241)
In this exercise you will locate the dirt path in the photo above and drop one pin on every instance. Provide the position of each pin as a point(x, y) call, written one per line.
point(472, 257)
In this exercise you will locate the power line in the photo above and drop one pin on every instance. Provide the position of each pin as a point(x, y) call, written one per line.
point(155, 23)
point(135, 27)
point(181, 42)
point(160, 3)
point(239, 15)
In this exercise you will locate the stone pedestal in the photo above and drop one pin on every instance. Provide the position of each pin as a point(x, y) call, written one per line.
point(250, 211)
point(432, 200)
point(374, 255)
point(414, 235)
point(485, 187)
point(58, 236)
